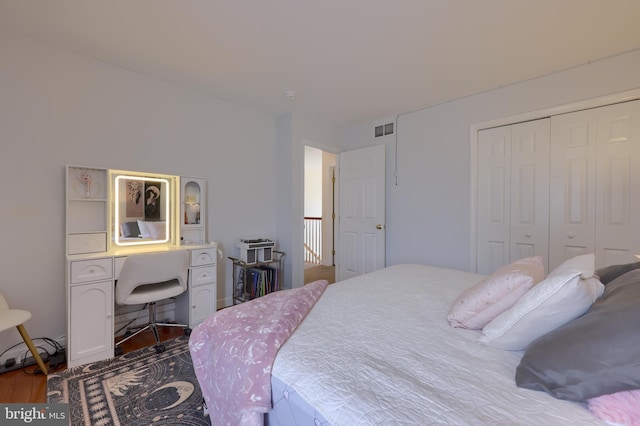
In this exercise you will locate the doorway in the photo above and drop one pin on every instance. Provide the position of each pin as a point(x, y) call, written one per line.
point(319, 215)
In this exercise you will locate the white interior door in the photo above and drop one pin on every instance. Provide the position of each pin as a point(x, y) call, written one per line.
point(617, 195)
point(362, 211)
point(494, 198)
point(595, 204)
point(572, 186)
point(513, 194)
point(530, 190)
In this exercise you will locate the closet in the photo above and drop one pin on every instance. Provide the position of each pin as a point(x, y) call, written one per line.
point(559, 187)
point(513, 194)
point(595, 184)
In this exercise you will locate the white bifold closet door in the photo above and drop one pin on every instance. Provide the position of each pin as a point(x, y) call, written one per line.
point(595, 184)
point(513, 194)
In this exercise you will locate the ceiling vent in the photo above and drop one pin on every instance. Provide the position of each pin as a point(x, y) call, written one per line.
point(383, 130)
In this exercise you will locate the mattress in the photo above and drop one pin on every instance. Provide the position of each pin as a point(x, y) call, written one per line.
point(290, 409)
point(377, 349)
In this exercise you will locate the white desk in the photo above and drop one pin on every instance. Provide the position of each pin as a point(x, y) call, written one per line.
point(90, 297)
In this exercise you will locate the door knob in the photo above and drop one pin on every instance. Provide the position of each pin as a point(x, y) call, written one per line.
point(379, 226)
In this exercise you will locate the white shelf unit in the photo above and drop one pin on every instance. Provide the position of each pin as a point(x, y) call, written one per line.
point(192, 210)
point(87, 206)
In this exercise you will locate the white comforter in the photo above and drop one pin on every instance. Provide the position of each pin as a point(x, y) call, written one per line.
point(377, 350)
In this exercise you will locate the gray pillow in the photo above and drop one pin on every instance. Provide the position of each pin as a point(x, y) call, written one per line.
point(610, 273)
point(130, 230)
point(595, 354)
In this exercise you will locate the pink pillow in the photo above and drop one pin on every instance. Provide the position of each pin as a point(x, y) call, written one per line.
point(620, 408)
point(479, 304)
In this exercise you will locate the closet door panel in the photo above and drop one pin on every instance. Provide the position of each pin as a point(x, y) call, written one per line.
point(572, 186)
point(494, 156)
point(530, 145)
point(618, 185)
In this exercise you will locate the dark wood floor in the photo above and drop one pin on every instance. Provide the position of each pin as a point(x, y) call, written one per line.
point(22, 386)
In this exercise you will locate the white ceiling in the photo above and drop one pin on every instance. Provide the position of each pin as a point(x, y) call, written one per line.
point(349, 61)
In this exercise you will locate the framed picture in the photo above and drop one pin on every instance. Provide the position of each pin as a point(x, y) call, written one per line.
point(134, 205)
point(152, 201)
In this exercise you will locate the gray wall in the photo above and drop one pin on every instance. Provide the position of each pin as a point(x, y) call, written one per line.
point(58, 108)
point(428, 211)
point(294, 132)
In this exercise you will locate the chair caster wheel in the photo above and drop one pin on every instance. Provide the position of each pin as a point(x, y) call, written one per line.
point(187, 332)
point(118, 351)
point(160, 349)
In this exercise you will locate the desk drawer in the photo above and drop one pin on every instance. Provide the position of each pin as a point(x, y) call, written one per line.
point(201, 257)
point(203, 275)
point(84, 271)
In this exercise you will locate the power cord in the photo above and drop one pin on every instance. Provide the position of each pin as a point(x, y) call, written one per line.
point(56, 357)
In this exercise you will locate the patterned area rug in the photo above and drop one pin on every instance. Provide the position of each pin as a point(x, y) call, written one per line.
point(138, 388)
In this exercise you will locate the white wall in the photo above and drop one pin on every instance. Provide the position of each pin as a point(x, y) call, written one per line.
point(293, 132)
point(58, 108)
point(428, 211)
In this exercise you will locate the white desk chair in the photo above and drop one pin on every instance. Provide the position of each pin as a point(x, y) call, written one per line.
point(148, 278)
point(16, 318)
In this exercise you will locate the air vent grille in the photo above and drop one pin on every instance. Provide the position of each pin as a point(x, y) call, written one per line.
point(383, 130)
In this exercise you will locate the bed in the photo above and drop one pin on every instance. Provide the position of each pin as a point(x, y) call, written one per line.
point(378, 349)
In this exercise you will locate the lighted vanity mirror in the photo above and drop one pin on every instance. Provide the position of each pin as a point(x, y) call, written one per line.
point(143, 206)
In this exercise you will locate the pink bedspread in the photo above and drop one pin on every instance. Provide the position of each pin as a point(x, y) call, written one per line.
point(622, 408)
point(234, 349)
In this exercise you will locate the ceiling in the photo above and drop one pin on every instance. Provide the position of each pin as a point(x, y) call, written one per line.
point(349, 61)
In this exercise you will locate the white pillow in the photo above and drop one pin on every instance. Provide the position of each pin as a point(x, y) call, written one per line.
point(585, 264)
point(548, 305)
point(157, 230)
point(144, 229)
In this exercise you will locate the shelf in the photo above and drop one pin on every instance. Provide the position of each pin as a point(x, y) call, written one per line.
point(86, 209)
point(257, 279)
point(91, 231)
point(192, 210)
point(86, 216)
point(86, 183)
